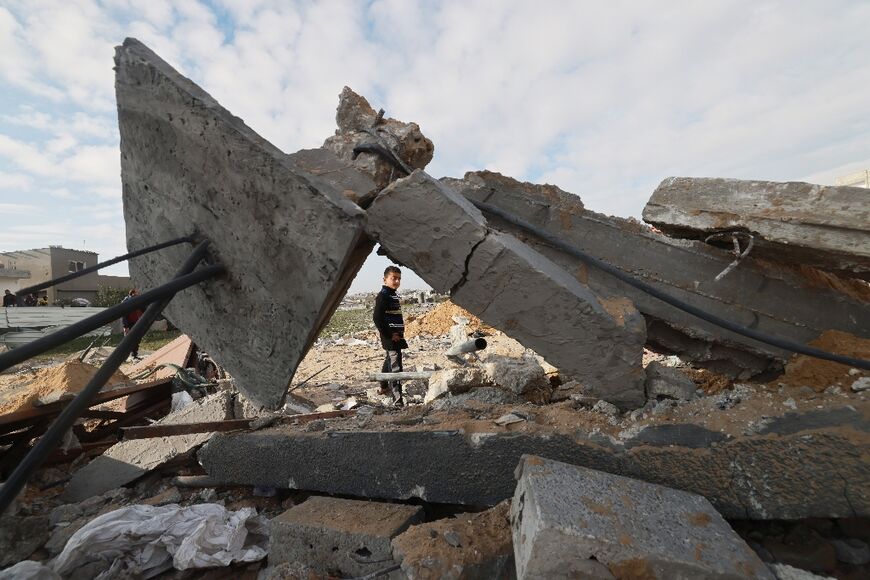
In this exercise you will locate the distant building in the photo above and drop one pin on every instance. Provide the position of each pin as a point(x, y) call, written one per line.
point(44, 264)
point(858, 179)
point(12, 279)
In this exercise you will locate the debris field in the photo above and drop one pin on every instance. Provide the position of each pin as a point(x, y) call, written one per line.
point(594, 429)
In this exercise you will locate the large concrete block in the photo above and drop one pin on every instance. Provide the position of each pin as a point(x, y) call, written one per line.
point(815, 225)
point(128, 460)
point(444, 238)
point(785, 472)
point(573, 522)
point(283, 225)
point(777, 299)
point(342, 537)
point(599, 342)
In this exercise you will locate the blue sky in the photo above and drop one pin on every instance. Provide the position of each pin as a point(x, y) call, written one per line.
point(602, 99)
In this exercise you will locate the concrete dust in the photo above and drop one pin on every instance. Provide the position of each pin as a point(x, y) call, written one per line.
point(46, 385)
point(820, 374)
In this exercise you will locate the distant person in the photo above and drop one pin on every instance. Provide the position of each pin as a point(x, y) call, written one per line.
point(9, 299)
point(30, 300)
point(391, 326)
point(129, 320)
point(43, 301)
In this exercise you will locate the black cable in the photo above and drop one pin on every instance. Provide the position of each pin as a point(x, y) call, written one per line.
point(667, 298)
point(52, 438)
point(31, 349)
point(73, 275)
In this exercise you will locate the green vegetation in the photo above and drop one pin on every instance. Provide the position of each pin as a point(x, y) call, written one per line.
point(108, 296)
point(345, 322)
point(152, 341)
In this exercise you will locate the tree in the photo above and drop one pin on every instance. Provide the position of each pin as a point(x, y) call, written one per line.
point(109, 296)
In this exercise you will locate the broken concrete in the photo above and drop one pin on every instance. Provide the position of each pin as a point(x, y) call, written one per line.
point(563, 516)
point(667, 382)
point(516, 375)
point(129, 460)
point(282, 225)
point(779, 300)
point(466, 547)
point(816, 225)
point(815, 472)
point(360, 126)
point(512, 287)
point(453, 381)
point(341, 537)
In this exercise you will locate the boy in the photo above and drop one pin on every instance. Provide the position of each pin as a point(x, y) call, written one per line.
point(388, 320)
point(130, 320)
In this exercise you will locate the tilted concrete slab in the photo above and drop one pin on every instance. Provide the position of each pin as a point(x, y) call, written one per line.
point(784, 472)
point(445, 240)
point(127, 461)
point(779, 300)
point(816, 225)
point(283, 226)
point(567, 519)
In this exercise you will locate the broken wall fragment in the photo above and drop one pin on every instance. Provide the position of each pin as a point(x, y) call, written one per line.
point(803, 223)
point(512, 287)
point(283, 226)
point(778, 300)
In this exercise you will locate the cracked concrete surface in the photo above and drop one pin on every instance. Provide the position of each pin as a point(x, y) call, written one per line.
point(512, 287)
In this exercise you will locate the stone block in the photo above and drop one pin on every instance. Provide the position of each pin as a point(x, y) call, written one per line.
point(597, 341)
point(128, 460)
point(341, 537)
point(481, 395)
point(283, 226)
point(20, 536)
point(564, 515)
point(667, 382)
point(473, 546)
point(518, 375)
point(454, 381)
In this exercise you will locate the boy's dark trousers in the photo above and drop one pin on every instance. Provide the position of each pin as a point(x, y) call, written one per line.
point(393, 364)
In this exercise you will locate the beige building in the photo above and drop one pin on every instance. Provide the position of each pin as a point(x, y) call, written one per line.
point(857, 179)
point(12, 279)
point(53, 262)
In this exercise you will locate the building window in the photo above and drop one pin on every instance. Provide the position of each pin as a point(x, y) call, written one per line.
point(75, 266)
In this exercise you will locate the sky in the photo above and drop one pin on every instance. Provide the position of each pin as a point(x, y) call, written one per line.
point(603, 99)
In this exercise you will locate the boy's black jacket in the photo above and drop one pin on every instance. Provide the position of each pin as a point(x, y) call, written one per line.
point(388, 318)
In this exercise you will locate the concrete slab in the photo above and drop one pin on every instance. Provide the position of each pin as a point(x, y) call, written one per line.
point(563, 516)
point(284, 226)
point(803, 223)
point(128, 460)
point(512, 287)
point(814, 472)
point(341, 537)
point(780, 300)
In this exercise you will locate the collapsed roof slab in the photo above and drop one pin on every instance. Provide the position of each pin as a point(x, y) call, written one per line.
point(815, 225)
point(795, 465)
point(445, 240)
point(282, 225)
point(778, 300)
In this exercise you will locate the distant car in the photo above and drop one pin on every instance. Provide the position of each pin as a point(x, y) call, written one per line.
point(80, 302)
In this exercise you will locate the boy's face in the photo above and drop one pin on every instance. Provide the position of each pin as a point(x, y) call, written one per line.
point(393, 280)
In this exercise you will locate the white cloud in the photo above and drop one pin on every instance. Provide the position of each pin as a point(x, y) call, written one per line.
point(602, 99)
point(16, 209)
point(15, 181)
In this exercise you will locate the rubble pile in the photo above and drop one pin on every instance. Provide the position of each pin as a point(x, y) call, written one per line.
point(439, 321)
point(30, 388)
point(596, 432)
